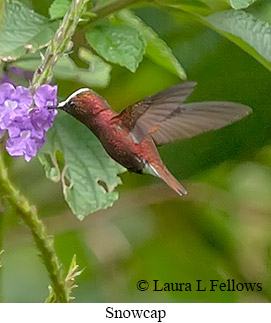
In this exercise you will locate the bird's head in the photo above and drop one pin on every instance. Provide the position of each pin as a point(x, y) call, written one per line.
point(83, 102)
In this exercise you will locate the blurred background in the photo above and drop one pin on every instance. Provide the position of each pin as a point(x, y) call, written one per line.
point(220, 230)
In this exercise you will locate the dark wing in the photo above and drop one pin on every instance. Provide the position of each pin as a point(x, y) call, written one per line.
point(143, 116)
point(191, 119)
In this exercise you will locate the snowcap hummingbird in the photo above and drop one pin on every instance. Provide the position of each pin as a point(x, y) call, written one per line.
point(131, 136)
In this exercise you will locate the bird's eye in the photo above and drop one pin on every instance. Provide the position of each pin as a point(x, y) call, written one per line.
point(72, 104)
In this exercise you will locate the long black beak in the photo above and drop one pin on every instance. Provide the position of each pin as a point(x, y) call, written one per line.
point(51, 107)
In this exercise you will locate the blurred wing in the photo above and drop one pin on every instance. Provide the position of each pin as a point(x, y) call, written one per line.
point(141, 117)
point(191, 119)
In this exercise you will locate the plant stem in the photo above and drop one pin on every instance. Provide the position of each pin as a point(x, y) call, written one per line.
point(44, 242)
point(59, 44)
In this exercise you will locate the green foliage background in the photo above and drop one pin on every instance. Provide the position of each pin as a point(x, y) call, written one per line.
point(221, 230)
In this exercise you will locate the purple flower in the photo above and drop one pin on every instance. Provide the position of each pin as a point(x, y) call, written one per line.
point(24, 140)
point(14, 103)
point(45, 96)
point(26, 127)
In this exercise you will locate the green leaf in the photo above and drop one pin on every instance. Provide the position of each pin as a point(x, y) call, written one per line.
point(241, 4)
point(156, 49)
point(89, 175)
point(118, 44)
point(99, 71)
point(59, 8)
point(242, 28)
point(23, 30)
point(97, 75)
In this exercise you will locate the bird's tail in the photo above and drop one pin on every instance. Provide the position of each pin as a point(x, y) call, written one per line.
point(162, 172)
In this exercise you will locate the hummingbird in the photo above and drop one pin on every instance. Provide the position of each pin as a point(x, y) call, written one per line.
point(132, 136)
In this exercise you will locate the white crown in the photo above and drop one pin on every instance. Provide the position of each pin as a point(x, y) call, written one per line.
point(61, 104)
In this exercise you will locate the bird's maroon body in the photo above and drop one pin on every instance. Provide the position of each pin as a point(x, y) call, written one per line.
point(130, 137)
point(108, 127)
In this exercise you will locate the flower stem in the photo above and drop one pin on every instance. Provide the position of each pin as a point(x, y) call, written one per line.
point(44, 242)
point(59, 44)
